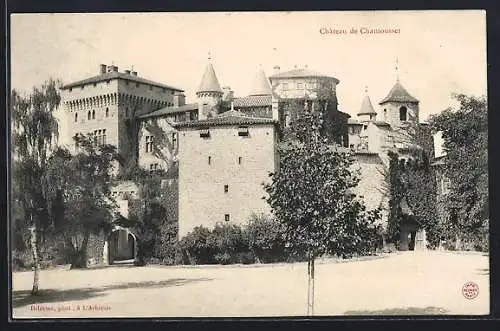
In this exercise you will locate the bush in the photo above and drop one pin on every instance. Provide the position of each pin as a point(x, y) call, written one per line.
point(265, 239)
point(196, 245)
point(166, 248)
point(228, 242)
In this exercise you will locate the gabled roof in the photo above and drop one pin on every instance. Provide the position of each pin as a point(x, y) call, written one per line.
point(398, 94)
point(302, 73)
point(171, 110)
point(253, 101)
point(209, 81)
point(367, 107)
point(261, 85)
point(231, 117)
point(118, 75)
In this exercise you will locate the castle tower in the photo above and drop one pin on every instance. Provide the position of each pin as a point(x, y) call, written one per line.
point(261, 84)
point(209, 94)
point(399, 106)
point(367, 112)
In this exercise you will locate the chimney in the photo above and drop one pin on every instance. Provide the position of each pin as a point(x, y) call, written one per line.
point(276, 69)
point(102, 69)
point(115, 68)
point(127, 72)
point(110, 68)
point(228, 94)
point(133, 73)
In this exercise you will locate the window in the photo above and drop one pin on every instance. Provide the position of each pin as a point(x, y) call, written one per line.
point(351, 146)
point(285, 87)
point(164, 90)
point(150, 87)
point(70, 89)
point(126, 112)
point(365, 127)
point(243, 131)
point(104, 136)
point(226, 217)
point(193, 116)
point(126, 82)
point(403, 114)
point(204, 133)
point(174, 140)
point(239, 159)
point(300, 86)
point(385, 114)
point(95, 84)
point(209, 160)
point(93, 114)
point(76, 117)
point(149, 144)
point(82, 87)
point(153, 167)
point(107, 82)
point(89, 115)
point(226, 188)
point(107, 112)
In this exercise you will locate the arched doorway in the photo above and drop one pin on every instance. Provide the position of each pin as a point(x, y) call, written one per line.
point(121, 246)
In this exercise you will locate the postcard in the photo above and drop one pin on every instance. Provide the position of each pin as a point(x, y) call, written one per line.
point(249, 164)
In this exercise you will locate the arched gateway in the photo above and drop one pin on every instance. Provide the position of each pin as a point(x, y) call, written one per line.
point(120, 246)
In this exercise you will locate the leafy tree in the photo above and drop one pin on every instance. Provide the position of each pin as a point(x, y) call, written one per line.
point(465, 134)
point(148, 214)
point(34, 134)
point(80, 195)
point(265, 238)
point(312, 196)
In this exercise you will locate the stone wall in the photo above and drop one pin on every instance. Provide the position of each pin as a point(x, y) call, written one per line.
point(242, 163)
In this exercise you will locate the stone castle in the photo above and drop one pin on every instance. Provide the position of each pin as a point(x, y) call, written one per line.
point(220, 149)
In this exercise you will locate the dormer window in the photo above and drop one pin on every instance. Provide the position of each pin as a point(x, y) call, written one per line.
point(403, 114)
point(243, 131)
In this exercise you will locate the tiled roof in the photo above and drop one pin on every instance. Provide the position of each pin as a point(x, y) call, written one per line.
point(398, 94)
point(231, 117)
point(209, 81)
point(367, 107)
point(253, 101)
point(118, 75)
point(171, 110)
point(301, 73)
point(261, 85)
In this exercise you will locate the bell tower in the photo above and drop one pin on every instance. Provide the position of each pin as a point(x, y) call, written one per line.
point(399, 107)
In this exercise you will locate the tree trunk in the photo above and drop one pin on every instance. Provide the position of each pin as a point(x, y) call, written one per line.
point(79, 260)
point(36, 259)
point(310, 286)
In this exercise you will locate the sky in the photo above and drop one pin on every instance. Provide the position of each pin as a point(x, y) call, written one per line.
point(438, 52)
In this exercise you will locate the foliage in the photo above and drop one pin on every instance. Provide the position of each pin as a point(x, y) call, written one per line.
point(79, 195)
point(197, 245)
point(265, 238)
point(312, 197)
point(465, 134)
point(34, 133)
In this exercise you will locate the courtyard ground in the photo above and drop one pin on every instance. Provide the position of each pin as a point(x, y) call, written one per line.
point(405, 283)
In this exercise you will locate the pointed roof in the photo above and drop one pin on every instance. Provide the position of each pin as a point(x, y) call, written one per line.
point(261, 84)
point(398, 94)
point(367, 107)
point(209, 81)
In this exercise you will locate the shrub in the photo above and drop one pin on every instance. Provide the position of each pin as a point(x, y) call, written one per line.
point(196, 245)
point(265, 239)
point(227, 241)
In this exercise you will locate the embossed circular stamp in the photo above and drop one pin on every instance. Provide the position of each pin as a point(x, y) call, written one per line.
point(470, 290)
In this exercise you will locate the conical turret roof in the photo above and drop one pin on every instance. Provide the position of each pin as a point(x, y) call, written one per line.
point(367, 107)
point(261, 84)
point(398, 94)
point(209, 81)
